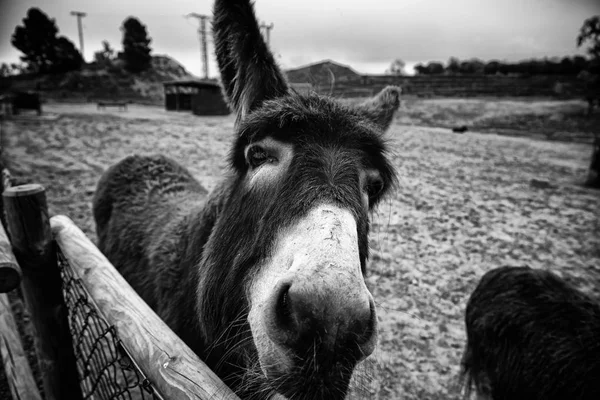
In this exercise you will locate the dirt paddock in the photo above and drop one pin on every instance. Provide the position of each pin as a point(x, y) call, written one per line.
point(465, 204)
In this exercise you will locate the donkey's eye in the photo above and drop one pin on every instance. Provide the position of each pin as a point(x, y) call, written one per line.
point(257, 156)
point(374, 187)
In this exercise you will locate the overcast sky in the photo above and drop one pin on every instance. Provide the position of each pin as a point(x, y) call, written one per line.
point(366, 35)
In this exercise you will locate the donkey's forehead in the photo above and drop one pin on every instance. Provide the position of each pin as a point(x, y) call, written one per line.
point(296, 118)
point(313, 120)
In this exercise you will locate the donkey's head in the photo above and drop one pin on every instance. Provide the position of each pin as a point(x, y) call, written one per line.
point(282, 291)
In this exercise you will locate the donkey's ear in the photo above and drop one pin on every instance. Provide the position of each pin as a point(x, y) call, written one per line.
point(381, 109)
point(249, 73)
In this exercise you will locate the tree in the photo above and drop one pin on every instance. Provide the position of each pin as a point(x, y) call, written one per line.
point(477, 66)
point(579, 64)
point(453, 67)
point(18, 68)
point(420, 69)
point(5, 70)
point(590, 34)
point(470, 67)
point(106, 55)
point(67, 57)
point(43, 50)
point(492, 67)
point(435, 68)
point(136, 45)
point(396, 67)
point(36, 39)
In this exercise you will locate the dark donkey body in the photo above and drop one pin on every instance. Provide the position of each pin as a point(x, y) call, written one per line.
point(531, 335)
point(263, 277)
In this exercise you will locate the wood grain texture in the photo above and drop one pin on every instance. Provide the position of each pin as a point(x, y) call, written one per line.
point(175, 371)
point(18, 373)
point(29, 228)
point(10, 272)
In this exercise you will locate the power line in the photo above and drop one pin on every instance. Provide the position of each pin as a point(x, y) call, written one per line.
point(203, 40)
point(79, 16)
point(267, 29)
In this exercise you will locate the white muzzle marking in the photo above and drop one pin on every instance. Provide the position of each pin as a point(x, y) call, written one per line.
point(320, 250)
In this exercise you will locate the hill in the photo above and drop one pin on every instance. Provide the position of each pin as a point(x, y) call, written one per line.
point(101, 82)
point(96, 82)
point(321, 74)
point(329, 77)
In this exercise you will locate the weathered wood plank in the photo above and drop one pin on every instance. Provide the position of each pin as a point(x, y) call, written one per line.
point(10, 272)
point(18, 372)
point(31, 238)
point(175, 371)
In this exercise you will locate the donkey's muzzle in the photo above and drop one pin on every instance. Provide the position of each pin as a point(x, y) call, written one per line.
point(318, 319)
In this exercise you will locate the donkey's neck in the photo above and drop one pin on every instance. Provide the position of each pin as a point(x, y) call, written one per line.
point(196, 231)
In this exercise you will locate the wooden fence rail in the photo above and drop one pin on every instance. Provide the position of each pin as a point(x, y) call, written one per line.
point(10, 272)
point(16, 367)
point(174, 371)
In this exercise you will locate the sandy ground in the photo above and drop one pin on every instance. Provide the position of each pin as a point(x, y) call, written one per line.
point(465, 204)
point(538, 118)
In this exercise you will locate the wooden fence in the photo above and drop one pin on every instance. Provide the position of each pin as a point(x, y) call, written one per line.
point(93, 333)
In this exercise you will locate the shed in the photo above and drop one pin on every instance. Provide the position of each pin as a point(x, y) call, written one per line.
point(15, 101)
point(6, 105)
point(202, 97)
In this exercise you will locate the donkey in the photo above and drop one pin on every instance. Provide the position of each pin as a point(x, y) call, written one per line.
point(531, 335)
point(263, 277)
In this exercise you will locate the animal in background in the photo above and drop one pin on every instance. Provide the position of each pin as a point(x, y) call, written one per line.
point(531, 335)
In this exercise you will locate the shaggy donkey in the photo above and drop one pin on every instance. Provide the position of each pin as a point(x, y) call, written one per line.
point(531, 335)
point(262, 278)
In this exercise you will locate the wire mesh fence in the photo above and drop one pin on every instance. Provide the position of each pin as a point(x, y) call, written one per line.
point(106, 370)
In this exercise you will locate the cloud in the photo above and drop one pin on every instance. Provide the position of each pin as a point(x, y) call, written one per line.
point(362, 34)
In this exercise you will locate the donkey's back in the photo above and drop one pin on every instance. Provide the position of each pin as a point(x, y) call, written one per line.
point(142, 206)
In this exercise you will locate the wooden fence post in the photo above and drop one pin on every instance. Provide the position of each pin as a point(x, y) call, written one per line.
point(10, 272)
point(29, 228)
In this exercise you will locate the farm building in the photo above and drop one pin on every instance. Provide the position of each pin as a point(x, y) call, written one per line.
point(5, 105)
point(15, 101)
point(200, 97)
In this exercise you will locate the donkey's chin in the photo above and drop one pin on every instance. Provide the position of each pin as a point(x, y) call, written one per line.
point(311, 376)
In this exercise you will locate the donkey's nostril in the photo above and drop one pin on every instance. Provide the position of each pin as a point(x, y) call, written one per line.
point(283, 313)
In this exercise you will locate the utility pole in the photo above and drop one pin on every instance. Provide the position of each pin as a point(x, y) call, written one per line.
point(79, 15)
point(202, 34)
point(267, 29)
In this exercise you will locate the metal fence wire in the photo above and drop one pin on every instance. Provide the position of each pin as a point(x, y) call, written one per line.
point(106, 370)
